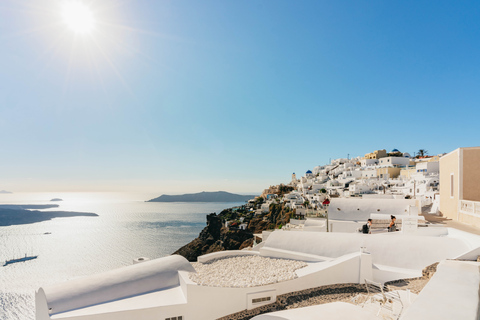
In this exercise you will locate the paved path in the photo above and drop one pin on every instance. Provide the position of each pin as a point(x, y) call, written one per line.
point(450, 223)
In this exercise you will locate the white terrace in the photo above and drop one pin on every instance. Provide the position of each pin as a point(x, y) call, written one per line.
point(452, 293)
point(161, 288)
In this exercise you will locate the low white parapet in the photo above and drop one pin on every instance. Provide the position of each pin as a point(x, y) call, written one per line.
point(383, 216)
point(315, 222)
point(297, 222)
point(226, 254)
point(294, 255)
point(135, 280)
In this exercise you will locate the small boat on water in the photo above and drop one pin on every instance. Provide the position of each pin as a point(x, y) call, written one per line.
point(26, 258)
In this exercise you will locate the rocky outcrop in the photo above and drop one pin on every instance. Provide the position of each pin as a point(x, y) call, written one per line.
point(215, 237)
point(277, 217)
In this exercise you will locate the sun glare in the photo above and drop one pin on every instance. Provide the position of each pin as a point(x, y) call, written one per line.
point(78, 17)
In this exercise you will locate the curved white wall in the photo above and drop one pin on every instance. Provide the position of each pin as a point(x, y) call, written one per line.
point(115, 284)
point(225, 254)
point(402, 251)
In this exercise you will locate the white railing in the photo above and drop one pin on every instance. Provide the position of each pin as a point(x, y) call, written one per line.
point(470, 207)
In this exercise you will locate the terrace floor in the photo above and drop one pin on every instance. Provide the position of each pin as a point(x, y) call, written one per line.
point(450, 223)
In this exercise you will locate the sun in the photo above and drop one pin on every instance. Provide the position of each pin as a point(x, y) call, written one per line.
point(78, 17)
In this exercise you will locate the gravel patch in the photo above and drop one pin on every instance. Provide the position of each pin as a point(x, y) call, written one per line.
point(331, 293)
point(325, 294)
point(244, 271)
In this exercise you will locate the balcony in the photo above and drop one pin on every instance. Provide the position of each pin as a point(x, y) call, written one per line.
point(470, 207)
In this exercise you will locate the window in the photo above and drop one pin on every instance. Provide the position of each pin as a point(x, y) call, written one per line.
point(259, 300)
point(451, 185)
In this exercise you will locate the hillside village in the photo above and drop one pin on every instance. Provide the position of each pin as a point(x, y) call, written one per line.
point(391, 174)
point(378, 172)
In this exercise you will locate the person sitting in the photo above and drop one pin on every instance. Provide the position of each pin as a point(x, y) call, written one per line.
point(392, 227)
point(366, 227)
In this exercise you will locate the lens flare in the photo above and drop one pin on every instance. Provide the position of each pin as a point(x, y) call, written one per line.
point(78, 17)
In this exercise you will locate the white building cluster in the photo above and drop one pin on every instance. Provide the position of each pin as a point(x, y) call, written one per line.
point(379, 172)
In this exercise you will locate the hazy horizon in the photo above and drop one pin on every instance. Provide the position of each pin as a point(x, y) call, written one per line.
point(133, 192)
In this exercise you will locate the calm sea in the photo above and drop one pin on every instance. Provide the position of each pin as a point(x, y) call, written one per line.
point(127, 227)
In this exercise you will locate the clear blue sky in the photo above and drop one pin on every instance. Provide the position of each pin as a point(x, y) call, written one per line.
point(184, 96)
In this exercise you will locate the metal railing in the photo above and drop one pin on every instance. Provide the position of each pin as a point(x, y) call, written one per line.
point(470, 207)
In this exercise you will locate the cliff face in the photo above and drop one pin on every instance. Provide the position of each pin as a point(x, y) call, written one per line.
point(215, 237)
point(277, 217)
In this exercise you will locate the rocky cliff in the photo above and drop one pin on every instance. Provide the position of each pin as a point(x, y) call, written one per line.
point(216, 237)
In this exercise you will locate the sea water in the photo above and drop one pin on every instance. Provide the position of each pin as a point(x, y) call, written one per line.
point(126, 228)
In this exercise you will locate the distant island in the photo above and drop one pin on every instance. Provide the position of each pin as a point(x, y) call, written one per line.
point(217, 196)
point(56, 199)
point(14, 214)
point(5, 191)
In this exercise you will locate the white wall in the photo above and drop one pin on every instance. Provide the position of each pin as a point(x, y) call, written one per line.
point(225, 254)
point(358, 188)
point(402, 251)
point(430, 167)
point(452, 293)
point(315, 222)
point(265, 207)
point(207, 303)
point(368, 162)
point(115, 284)
point(344, 226)
point(369, 173)
point(472, 240)
point(391, 161)
point(360, 209)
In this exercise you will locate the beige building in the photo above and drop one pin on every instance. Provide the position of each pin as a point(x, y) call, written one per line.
point(377, 154)
point(270, 191)
point(407, 173)
point(388, 172)
point(460, 185)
